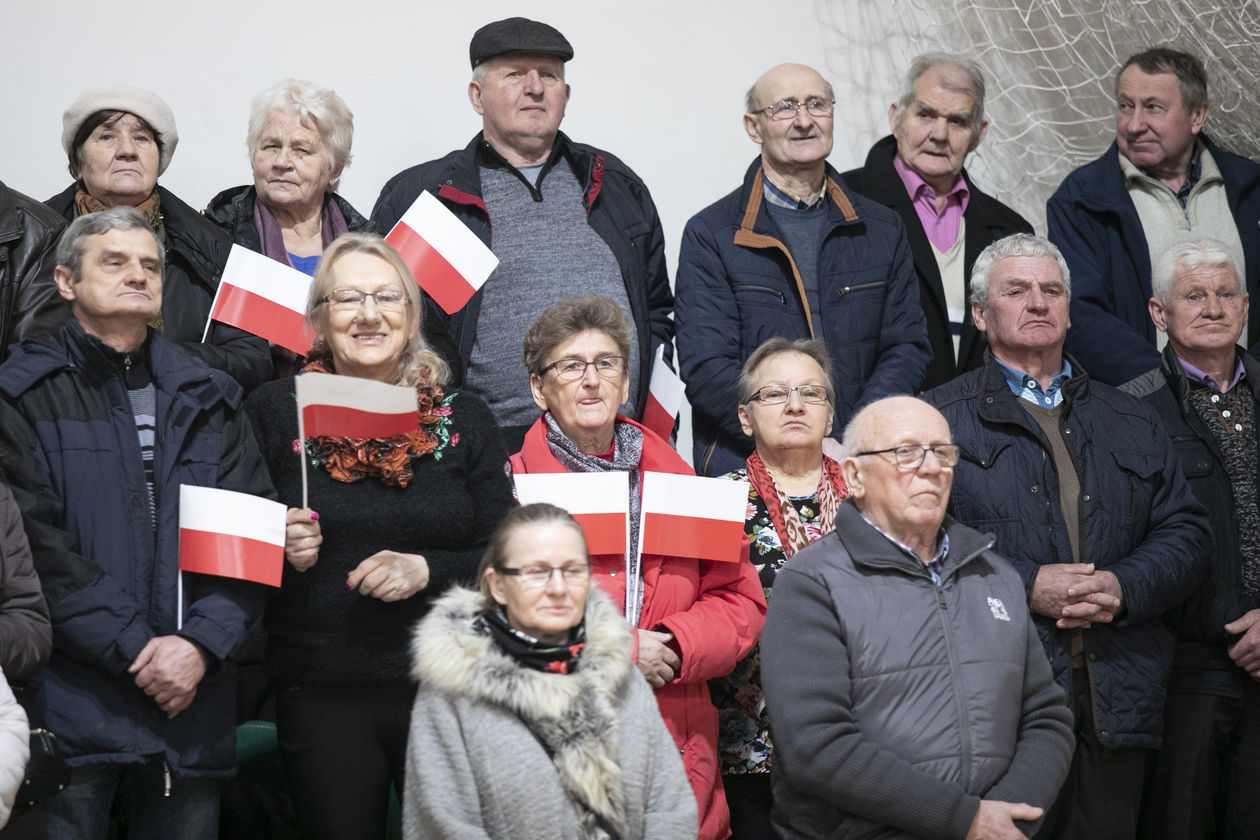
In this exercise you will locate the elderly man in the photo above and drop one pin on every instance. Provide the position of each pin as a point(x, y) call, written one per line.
point(908, 693)
point(1161, 181)
point(566, 218)
point(917, 172)
point(1083, 490)
point(100, 424)
point(793, 253)
point(1204, 391)
point(28, 240)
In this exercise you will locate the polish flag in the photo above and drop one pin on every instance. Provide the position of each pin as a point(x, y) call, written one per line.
point(231, 534)
point(689, 516)
point(599, 501)
point(448, 260)
point(665, 397)
point(264, 297)
point(346, 406)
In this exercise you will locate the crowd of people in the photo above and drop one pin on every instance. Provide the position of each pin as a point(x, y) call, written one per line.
point(1001, 565)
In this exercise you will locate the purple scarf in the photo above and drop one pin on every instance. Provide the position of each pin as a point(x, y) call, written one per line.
point(333, 224)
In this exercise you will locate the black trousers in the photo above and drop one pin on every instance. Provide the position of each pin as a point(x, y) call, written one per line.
point(1203, 784)
point(343, 747)
point(750, 800)
point(1102, 796)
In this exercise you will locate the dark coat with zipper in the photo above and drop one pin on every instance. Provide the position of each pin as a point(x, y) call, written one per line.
point(987, 220)
point(29, 301)
point(1138, 520)
point(738, 285)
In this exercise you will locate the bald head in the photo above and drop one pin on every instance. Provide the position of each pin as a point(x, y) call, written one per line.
point(756, 99)
point(861, 433)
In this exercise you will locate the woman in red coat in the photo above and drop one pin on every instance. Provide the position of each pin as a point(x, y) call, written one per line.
point(693, 619)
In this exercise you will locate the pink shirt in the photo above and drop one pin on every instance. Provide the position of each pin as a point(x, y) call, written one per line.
point(942, 229)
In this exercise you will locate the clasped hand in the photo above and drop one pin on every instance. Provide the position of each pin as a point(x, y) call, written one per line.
point(1076, 595)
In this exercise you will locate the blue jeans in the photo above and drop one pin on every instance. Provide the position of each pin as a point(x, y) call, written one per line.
point(81, 811)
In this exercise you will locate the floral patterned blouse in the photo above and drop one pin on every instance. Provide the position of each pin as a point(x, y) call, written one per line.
point(743, 727)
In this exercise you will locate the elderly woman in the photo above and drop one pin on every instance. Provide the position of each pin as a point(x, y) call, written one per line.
point(696, 618)
point(786, 407)
point(119, 140)
point(530, 722)
point(390, 523)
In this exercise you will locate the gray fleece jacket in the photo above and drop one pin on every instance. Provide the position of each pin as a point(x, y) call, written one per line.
point(896, 705)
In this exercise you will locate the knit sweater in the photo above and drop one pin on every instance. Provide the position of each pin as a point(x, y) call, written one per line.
point(318, 632)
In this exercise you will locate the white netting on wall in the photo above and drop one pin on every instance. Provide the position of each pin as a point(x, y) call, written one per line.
point(1050, 66)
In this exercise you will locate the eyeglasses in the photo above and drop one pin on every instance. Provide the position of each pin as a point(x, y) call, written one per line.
point(345, 300)
point(571, 370)
point(787, 109)
point(536, 577)
point(908, 458)
point(778, 394)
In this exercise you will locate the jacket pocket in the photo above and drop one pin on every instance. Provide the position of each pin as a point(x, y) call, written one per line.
point(846, 290)
point(1138, 470)
point(762, 295)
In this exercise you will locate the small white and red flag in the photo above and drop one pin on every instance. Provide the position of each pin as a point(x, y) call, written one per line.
point(665, 397)
point(689, 516)
point(599, 501)
point(448, 260)
point(231, 534)
point(347, 406)
point(264, 297)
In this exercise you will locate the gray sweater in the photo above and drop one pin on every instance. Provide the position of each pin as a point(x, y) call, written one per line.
point(475, 771)
point(897, 705)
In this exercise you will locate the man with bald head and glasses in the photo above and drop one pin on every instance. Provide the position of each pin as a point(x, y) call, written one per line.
point(909, 695)
point(1084, 493)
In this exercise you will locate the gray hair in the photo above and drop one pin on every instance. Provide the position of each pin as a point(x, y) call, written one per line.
point(74, 242)
point(1015, 245)
point(482, 70)
point(1192, 79)
point(750, 98)
point(811, 347)
point(975, 83)
point(1188, 256)
point(312, 104)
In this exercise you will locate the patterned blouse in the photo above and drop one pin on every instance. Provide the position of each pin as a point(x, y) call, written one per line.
point(743, 727)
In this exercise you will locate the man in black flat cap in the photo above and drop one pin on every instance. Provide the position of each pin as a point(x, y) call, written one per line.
point(567, 218)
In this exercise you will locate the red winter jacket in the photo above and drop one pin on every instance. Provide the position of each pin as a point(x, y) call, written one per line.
point(715, 611)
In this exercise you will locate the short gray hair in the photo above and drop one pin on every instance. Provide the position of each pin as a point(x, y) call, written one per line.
point(74, 242)
point(1015, 245)
point(975, 83)
point(311, 103)
point(1187, 256)
point(811, 347)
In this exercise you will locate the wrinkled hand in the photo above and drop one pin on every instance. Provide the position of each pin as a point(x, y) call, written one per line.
point(1246, 651)
point(657, 661)
point(302, 538)
point(996, 820)
point(169, 669)
point(1075, 595)
point(390, 576)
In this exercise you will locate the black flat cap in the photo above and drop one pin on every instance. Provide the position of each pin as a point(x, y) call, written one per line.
point(517, 35)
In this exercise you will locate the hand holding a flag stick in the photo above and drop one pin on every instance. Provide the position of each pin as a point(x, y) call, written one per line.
point(169, 669)
point(658, 662)
point(390, 576)
point(302, 538)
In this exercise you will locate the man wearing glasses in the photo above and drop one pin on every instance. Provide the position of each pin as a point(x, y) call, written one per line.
point(908, 692)
point(917, 171)
point(793, 253)
point(1083, 491)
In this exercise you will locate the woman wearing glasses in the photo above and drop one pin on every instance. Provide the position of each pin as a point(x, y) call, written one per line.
point(696, 619)
point(785, 406)
point(390, 523)
point(530, 722)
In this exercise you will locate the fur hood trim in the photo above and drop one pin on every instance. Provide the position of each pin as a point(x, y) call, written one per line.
point(573, 715)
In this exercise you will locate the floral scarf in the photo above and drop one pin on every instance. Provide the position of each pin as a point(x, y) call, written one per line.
point(387, 459)
point(787, 522)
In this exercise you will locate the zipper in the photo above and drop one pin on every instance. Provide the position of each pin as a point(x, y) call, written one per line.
point(766, 289)
point(844, 290)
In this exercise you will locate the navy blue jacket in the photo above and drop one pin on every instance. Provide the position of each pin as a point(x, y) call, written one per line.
point(69, 442)
point(738, 286)
point(1138, 520)
point(1093, 221)
point(1202, 665)
point(618, 208)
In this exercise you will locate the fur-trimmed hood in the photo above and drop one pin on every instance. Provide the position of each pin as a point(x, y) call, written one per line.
point(573, 715)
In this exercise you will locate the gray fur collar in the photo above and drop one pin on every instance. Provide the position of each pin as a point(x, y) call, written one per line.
point(573, 715)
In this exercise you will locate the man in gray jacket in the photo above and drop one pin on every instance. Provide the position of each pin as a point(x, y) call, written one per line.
point(908, 692)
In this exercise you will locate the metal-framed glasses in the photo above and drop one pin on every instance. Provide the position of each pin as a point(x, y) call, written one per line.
point(910, 457)
point(536, 577)
point(779, 394)
point(571, 370)
point(345, 300)
point(787, 109)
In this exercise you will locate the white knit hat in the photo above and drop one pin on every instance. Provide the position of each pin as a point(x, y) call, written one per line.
point(145, 104)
